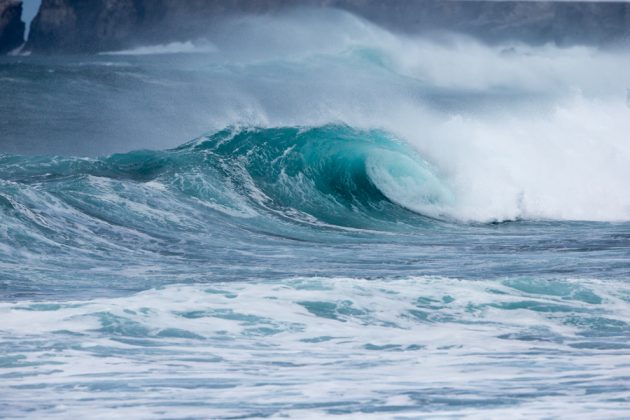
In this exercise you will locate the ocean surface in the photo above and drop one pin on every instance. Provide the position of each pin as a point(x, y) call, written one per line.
point(307, 216)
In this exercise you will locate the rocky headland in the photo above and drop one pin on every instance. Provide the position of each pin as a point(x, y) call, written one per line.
point(89, 26)
point(11, 25)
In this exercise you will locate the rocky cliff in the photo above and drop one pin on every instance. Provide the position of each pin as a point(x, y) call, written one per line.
point(11, 25)
point(98, 25)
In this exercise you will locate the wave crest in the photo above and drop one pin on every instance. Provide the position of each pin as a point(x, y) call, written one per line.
point(332, 174)
point(321, 177)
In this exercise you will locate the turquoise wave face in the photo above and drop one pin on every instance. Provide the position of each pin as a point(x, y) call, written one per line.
point(227, 204)
point(331, 176)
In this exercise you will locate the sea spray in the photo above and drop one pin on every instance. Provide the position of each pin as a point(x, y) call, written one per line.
point(367, 224)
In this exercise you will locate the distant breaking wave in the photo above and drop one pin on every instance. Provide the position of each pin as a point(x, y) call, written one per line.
point(170, 48)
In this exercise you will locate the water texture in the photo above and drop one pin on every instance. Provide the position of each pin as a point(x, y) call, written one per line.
point(364, 224)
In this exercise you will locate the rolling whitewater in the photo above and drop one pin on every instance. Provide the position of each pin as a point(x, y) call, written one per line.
point(347, 222)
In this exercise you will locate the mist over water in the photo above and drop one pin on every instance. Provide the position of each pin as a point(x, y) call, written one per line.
point(306, 215)
point(517, 131)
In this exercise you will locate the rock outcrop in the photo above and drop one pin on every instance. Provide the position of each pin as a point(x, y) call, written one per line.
point(11, 25)
point(83, 25)
point(96, 25)
point(99, 25)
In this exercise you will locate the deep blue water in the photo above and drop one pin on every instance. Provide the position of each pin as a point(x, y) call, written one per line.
point(366, 225)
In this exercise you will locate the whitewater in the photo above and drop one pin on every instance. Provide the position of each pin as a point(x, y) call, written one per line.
point(306, 215)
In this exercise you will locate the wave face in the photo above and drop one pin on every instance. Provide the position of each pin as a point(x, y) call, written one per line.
point(372, 226)
point(333, 175)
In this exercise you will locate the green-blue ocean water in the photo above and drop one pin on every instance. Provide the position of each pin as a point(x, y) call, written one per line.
point(376, 227)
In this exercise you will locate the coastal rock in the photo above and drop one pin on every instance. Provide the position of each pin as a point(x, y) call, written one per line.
point(11, 25)
point(83, 26)
point(87, 26)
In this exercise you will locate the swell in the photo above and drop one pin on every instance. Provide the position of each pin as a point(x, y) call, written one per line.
point(331, 174)
point(253, 203)
point(323, 177)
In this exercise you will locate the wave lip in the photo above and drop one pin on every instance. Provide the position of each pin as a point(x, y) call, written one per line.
point(409, 183)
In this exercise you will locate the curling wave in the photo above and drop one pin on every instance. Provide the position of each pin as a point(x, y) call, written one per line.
point(330, 176)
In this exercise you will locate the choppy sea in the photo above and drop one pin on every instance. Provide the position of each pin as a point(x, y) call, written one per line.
point(308, 216)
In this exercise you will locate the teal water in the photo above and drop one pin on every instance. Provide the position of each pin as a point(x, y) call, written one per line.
point(361, 232)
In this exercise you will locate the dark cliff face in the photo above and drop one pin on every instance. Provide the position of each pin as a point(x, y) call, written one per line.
point(99, 25)
point(11, 25)
point(83, 25)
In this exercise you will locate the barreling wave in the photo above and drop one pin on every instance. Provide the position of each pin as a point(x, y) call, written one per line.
point(331, 176)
